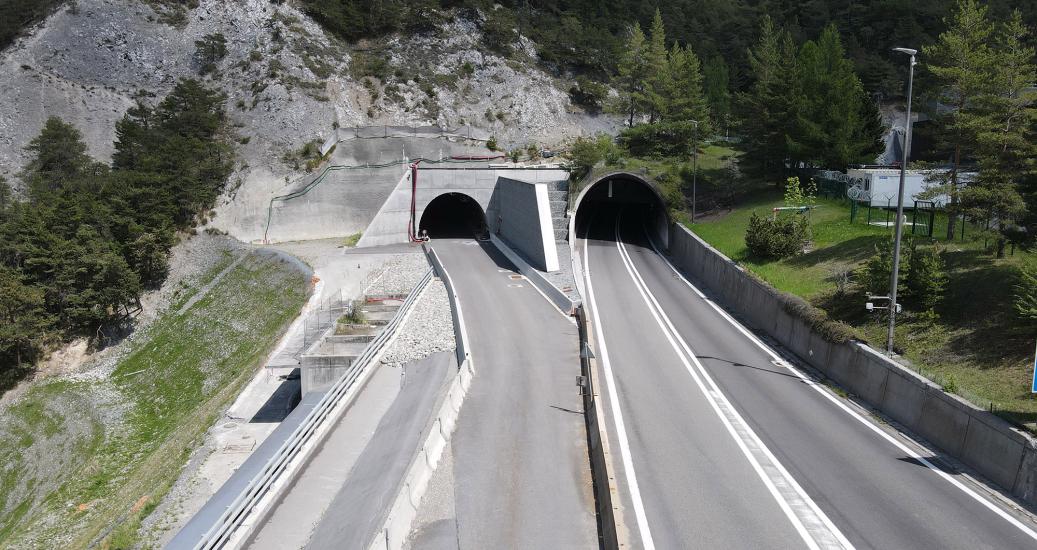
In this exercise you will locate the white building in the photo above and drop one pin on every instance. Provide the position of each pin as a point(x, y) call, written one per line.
point(880, 185)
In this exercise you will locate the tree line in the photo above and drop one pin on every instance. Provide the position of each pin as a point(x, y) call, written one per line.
point(85, 239)
point(981, 76)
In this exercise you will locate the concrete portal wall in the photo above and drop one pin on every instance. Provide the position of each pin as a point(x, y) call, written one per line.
point(1004, 455)
point(524, 214)
point(389, 226)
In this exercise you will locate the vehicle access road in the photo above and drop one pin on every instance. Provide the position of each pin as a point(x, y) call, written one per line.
point(521, 468)
point(720, 443)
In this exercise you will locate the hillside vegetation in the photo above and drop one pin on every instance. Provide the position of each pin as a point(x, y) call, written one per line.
point(86, 458)
point(89, 238)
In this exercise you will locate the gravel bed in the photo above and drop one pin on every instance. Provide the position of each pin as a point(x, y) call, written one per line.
point(428, 330)
point(399, 274)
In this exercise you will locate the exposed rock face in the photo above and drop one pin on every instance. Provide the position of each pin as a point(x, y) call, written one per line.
point(287, 82)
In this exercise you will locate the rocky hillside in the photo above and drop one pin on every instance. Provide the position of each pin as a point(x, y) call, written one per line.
point(287, 81)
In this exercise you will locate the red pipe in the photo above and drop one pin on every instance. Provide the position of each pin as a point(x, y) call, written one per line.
point(411, 229)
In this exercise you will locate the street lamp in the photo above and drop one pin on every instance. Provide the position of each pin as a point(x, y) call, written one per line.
point(695, 171)
point(893, 307)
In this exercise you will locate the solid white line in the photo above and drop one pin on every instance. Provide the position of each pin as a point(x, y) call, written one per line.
point(617, 412)
point(835, 400)
point(816, 529)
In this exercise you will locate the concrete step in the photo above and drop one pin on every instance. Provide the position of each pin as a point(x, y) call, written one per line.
point(379, 317)
point(379, 306)
point(344, 338)
point(343, 349)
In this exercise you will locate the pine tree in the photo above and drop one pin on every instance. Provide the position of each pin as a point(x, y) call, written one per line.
point(832, 124)
point(24, 324)
point(686, 100)
point(659, 82)
point(716, 86)
point(962, 65)
point(767, 111)
point(633, 71)
point(1005, 145)
point(58, 157)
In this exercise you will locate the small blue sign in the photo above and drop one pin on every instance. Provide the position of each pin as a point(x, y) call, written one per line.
point(1033, 387)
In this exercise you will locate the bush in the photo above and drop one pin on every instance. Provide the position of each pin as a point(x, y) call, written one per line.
point(209, 51)
point(926, 278)
point(582, 156)
point(491, 143)
point(776, 238)
point(588, 93)
point(1025, 303)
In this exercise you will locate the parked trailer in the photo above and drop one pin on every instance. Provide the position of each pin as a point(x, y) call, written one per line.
point(879, 186)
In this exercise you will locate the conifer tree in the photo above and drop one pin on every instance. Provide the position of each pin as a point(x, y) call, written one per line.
point(1005, 144)
point(659, 82)
point(961, 63)
point(633, 71)
point(767, 111)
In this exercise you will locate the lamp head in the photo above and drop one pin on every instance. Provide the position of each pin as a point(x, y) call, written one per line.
point(908, 51)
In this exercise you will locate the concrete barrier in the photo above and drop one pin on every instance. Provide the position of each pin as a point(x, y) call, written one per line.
point(984, 442)
point(597, 443)
point(555, 295)
point(404, 509)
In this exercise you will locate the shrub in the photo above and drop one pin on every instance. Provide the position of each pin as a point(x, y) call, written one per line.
point(777, 238)
point(800, 195)
point(588, 93)
point(583, 154)
point(926, 277)
point(1025, 303)
point(491, 143)
point(515, 155)
point(209, 51)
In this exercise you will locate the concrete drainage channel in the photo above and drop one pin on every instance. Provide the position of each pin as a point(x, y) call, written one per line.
point(241, 517)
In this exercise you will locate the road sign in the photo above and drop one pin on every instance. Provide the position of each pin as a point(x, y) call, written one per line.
point(1033, 387)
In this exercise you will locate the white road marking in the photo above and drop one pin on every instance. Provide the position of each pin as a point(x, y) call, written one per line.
point(617, 412)
point(835, 400)
point(816, 529)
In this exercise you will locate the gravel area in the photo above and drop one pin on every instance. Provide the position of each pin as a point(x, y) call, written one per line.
point(399, 274)
point(428, 330)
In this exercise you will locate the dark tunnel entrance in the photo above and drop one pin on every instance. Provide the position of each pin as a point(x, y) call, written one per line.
point(453, 215)
point(624, 202)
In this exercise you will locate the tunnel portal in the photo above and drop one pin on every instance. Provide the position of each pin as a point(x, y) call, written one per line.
point(626, 195)
point(453, 215)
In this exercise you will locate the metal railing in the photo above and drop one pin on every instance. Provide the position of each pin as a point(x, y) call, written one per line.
point(239, 510)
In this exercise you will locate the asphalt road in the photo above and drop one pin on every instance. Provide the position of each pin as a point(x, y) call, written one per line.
point(360, 508)
point(520, 462)
point(729, 449)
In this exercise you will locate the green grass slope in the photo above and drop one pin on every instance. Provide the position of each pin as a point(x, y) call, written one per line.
point(84, 461)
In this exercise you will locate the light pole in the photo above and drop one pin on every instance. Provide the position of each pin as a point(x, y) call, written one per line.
point(900, 205)
point(695, 171)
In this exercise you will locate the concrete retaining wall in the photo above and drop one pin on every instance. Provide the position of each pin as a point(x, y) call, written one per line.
point(524, 214)
point(984, 442)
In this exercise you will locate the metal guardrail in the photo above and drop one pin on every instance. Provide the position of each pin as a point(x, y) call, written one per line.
point(223, 530)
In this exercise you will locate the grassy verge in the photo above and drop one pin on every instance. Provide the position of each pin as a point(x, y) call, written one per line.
point(975, 347)
point(86, 461)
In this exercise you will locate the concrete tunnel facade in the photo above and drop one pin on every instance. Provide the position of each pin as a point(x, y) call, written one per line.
point(623, 188)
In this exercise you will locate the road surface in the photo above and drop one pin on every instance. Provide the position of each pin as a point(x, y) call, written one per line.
point(719, 444)
point(520, 462)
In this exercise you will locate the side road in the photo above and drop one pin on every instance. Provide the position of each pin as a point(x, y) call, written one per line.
point(521, 476)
